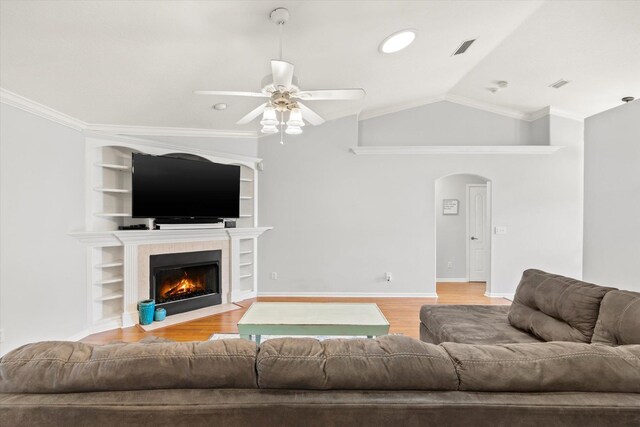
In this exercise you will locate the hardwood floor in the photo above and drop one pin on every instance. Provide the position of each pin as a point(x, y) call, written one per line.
point(402, 313)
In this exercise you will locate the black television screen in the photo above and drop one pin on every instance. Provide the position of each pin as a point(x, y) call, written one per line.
point(167, 187)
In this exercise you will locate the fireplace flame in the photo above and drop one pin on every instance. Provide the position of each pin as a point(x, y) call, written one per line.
point(183, 287)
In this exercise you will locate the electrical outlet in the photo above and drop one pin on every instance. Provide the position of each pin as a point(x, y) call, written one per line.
point(1, 335)
point(274, 275)
point(450, 264)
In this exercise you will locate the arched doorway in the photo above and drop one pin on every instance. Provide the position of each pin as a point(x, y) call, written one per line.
point(463, 232)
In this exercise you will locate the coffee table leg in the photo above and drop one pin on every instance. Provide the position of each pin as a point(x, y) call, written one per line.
point(258, 339)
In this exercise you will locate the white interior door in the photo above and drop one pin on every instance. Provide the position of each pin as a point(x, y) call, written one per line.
point(477, 232)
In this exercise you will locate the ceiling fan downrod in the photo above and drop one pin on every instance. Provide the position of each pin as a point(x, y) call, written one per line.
point(280, 16)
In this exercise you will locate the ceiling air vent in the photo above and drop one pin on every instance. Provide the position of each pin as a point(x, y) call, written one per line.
point(559, 84)
point(463, 47)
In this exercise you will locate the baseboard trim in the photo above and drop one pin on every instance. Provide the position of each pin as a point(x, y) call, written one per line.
point(451, 280)
point(348, 294)
point(80, 335)
point(507, 295)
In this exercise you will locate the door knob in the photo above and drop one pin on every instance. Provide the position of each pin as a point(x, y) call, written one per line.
point(474, 238)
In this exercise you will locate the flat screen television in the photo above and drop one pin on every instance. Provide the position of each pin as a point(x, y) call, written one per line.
point(168, 187)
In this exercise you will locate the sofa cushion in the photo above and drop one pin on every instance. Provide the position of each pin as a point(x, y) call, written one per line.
point(547, 367)
point(472, 324)
point(619, 319)
point(556, 308)
point(61, 366)
point(386, 363)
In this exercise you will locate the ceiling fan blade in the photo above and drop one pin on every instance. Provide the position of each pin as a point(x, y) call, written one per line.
point(252, 115)
point(230, 93)
point(309, 115)
point(282, 73)
point(325, 94)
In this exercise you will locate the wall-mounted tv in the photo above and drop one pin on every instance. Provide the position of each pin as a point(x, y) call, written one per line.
point(170, 187)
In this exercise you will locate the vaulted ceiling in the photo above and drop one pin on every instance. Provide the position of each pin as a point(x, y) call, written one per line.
point(137, 62)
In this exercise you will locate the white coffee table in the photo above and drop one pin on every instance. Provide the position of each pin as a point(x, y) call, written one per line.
point(312, 318)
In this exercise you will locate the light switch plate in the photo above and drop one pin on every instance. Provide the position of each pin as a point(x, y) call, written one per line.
point(501, 230)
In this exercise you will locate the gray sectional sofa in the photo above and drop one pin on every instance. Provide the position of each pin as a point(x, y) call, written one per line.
point(392, 380)
point(546, 307)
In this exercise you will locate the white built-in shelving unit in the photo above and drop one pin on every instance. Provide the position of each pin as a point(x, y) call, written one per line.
point(108, 196)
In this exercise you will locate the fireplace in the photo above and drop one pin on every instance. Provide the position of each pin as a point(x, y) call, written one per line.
point(185, 281)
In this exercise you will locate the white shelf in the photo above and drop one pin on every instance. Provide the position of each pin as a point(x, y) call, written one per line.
point(455, 149)
point(110, 264)
point(109, 180)
point(113, 166)
point(112, 214)
point(111, 190)
point(108, 297)
point(108, 281)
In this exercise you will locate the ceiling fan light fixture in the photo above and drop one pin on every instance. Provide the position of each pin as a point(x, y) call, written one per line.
point(293, 130)
point(269, 129)
point(269, 118)
point(295, 118)
point(397, 41)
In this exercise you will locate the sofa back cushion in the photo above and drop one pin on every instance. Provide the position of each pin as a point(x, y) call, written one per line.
point(619, 319)
point(556, 308)
point(62, 367)
point(386, 363)
point(547, 367)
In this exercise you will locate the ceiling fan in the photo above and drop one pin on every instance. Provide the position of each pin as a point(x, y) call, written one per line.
point(284, 95)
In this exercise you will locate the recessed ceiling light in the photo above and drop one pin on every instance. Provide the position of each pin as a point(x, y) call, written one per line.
point(397, 41)
point(221, 106)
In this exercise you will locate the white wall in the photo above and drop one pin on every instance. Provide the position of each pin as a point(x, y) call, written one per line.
point(612, 197)
point(241, 146)
point(451, 230)
point(42, 270)
point(341, 221)
point(447, 123)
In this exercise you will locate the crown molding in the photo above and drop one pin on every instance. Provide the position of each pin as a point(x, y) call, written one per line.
point(478, 105)
point(30, 106)
point(33, 107)
point(565, 114)
point(484, 106)
point(170, 131)
point(455, 99)
point(552, 111)
point(370, 114)
point(543, 112)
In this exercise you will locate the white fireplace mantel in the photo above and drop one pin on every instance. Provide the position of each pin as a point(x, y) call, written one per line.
point(132, 240)
point(144, 237)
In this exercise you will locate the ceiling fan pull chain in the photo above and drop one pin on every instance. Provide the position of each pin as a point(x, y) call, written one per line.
point(281, 127)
